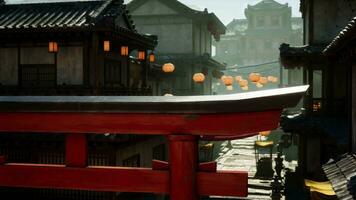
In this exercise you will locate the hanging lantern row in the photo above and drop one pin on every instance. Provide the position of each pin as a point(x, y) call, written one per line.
point(141, 55)
point(255, 78)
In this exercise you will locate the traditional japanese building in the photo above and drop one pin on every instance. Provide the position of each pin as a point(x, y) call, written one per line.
point(325, 126)
point(78, 48)
point(185, 39)
point(74, 48)
point(255, 40)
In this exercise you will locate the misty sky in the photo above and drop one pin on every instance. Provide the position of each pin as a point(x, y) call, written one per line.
point(226, 10)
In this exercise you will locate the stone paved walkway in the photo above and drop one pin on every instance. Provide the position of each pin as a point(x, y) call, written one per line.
point(242, 157)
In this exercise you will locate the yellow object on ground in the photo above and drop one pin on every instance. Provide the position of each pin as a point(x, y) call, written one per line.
point(264, 143)
point(321, 187)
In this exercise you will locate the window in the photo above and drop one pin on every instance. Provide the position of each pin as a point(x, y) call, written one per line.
point(112, 72)
point(260, 21)
point(159, 152)
point(133, 161)
point(38, 75)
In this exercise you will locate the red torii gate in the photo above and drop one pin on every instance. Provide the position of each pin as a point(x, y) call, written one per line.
point(182, 119)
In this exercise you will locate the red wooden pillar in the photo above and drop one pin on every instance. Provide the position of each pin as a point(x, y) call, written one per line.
point(76, 150)
point(183, 156)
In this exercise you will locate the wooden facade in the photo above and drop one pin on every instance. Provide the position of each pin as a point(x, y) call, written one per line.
point(325, 123)
point(80, 66)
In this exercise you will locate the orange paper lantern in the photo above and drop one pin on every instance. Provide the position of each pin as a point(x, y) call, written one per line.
point(254, 77)
point(199, 77)
point(238, 78)
point(168, 68)
point(228, 80)
point(263, 80)
point(243, 83)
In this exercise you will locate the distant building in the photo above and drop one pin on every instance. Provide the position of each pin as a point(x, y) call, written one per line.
point(185, 39)
point(255, 40)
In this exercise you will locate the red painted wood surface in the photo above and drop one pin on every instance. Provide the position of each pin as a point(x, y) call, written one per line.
point(116, 179)
point(76, 150)
point(223, 183)
point(162, 124)
point(183, 159)
point(208, 166)
point(160, 165)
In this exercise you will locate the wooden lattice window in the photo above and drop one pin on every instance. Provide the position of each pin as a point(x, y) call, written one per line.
point(38, 75)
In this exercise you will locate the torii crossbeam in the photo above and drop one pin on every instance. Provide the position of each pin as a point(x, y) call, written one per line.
point(182, 119)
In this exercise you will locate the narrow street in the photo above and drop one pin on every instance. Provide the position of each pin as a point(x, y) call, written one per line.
point(242, 157)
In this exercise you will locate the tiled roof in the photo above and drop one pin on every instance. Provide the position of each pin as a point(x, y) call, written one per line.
point(342, 175)
point(216, 26)
point(268, 4)
point(57, 14)
point(342, 39)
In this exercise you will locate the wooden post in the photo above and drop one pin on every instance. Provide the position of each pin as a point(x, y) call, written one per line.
point(183, 155)
point(76, 150)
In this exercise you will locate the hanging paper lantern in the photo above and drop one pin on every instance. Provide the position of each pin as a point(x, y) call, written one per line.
point(228, 80)
point(275, 80)
point(263, 80)
point(238, 78)
point(124, 50)
point(230, 87)
point(199, 77)
point(53, 47)
point(106, 45)
point(168, 68)
point(243, 83)
point(270, 78)
point(254, 77)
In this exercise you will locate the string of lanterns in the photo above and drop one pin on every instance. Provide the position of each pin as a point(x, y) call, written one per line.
point(255, 78)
